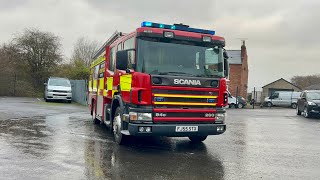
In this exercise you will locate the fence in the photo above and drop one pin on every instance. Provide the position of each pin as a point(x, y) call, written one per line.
point(17, 84)
point(79, 91)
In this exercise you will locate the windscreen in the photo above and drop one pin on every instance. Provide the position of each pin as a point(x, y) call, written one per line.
point(179, 58)
point(59, 82)
point(313, 95)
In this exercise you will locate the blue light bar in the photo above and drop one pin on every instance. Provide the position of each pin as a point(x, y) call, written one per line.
point(176, 27)
point(146, 24)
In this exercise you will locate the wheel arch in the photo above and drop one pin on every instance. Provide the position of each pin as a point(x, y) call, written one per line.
point(116, 102)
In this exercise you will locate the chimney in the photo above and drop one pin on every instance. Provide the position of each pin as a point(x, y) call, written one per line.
point(243, 51)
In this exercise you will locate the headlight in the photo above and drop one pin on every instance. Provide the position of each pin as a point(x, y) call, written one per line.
point(69, 91)
point(144, 116)
point(220, 118)
point(134, 116)
point(311, 103)
point(50, 90)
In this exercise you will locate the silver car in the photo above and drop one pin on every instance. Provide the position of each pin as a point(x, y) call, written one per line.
point(58, 89)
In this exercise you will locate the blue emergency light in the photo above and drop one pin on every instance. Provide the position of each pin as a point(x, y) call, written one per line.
point(176, 27)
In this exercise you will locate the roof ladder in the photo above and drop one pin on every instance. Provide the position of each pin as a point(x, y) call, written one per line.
point(113, 38)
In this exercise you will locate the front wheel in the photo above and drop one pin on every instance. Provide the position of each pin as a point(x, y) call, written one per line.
point(232, 105)
point(293, 105)
point(269, 104)
point(240, 105)
point(306, 113)
point(119, 138)
point(197, 139)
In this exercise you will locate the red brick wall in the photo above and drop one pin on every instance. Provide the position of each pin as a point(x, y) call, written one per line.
point(239, 75)
point(235, 78)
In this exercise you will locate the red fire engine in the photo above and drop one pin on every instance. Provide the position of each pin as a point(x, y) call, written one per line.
point(160, 80)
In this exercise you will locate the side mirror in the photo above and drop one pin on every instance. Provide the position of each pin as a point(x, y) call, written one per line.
point(125, 59)
point(122, 60)
point(225, 55)
point(45, 84)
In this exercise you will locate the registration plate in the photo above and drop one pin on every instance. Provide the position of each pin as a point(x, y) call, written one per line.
point(186, 128)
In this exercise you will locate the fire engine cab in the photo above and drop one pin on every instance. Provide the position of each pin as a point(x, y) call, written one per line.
point(160, 80)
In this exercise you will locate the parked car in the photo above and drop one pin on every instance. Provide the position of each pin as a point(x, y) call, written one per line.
point(282, 98)
point(309, 103)
point(58, 89)
point(236, 102)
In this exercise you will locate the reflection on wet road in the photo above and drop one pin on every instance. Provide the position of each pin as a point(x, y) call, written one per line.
point(64, 144)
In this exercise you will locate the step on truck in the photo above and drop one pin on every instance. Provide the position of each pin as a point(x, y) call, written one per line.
point(160, 80)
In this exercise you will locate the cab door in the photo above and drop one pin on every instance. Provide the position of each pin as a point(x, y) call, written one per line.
point(123, 79)
point(276, 101)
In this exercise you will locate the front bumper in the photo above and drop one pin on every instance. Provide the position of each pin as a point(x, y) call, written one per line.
point(170, 130)
point(59, 96)
point(314, 109)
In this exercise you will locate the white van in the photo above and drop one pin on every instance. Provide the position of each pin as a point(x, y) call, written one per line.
point(58, 89)
point(233, 102)
point(282, 98)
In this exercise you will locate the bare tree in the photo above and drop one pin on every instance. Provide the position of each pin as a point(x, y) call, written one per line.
point(9, 69)
point(40, 51)
point(305, 81)
point(83, 50)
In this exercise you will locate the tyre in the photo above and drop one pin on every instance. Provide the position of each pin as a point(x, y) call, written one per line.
point(93, 112)
point(232, 105)
point(240, 105)
point(197, 139)
point(269, 104)
point(294, 105)
point(298, 111)
point(306, 113)
point(119, 138)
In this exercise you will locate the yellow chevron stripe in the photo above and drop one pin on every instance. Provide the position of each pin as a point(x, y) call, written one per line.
point(184, 96)
point(186, 103)
point(105, 92)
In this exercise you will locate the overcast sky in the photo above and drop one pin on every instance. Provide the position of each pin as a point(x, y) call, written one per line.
point(283, 36)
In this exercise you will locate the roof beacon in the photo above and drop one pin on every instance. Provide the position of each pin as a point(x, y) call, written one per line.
point(179, 27)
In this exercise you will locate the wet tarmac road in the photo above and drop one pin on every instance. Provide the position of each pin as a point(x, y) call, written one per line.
point(58, 141)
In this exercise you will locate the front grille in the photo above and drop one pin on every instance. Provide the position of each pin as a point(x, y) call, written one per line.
point(316, 108)
point(184, 122)
point(59, 91)
point(178, 99)
point(174, 104)
point(181, 106)
point(164, 91)
point(59, 95)
point(179, 114)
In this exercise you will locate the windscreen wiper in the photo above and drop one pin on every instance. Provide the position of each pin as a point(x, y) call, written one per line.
point(177, 73)
point(172, 73)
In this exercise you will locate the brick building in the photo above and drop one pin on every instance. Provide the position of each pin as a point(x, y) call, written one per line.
point(238, 62)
